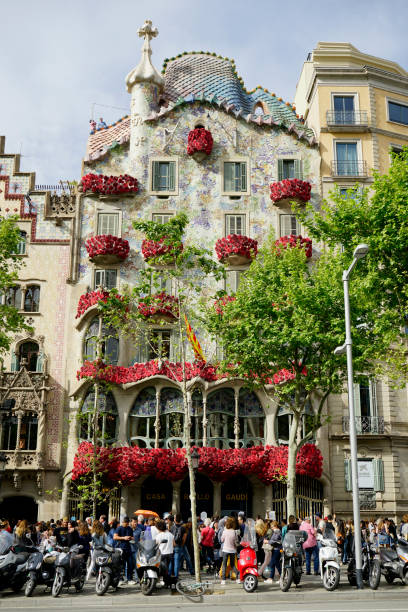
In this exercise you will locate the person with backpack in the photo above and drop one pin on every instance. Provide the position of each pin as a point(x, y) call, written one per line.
point(180, 550)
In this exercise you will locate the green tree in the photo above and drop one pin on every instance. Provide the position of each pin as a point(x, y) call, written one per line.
point(281, 329)
point(188, 268)
point(11, 321)
point(377, 217)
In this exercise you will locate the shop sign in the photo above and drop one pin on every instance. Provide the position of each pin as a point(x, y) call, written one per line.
point(365, 470)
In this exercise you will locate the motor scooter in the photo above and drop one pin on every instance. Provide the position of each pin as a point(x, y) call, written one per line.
point(107, 561)
point(13, 567)
point(247, 562)
point(41, 567)
point(371, 568)
point(329, 560)
point(70, 569)
point(394, 561)
point(148, 564)
point(292, 558)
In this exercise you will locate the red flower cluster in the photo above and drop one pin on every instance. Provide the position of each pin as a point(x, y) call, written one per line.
point(199, 140)
point(106, 244)
point(159, 304)
point(295, 241)
point(127, 464)
point(139, 371)
point(157, 248)
point(109, 185)
point(89, 299)
point(218, 304)
point(294, 189)
point(234, 244)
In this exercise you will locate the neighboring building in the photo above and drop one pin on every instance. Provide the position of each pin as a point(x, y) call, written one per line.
point(258, 140)
point(357, 105)
point(32, 377)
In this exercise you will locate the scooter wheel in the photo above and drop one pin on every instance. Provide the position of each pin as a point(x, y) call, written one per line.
point(147, 585)
point(102, 583)
point(375, 575)
point(57, 584)
point(29, 588)
point(250, 583)
point(331, 578)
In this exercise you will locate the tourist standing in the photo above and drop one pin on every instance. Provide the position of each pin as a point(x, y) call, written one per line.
point(123, 535)
point(229, 548)
point(310, 546)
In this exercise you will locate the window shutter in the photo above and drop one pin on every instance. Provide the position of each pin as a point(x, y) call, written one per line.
point(298, 169)
point(378, 474)
point(156, 176)
point(172, 176)
point(280, 169)
point(141, 348)
point(99, 278)
point(15, 365)
point(357, 406)
point(243, 176)
point(285, 225)
point(373, 397)
point(347, 474)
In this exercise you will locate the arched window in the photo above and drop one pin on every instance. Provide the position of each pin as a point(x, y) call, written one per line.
point(107, 418)
point(171, 418)
point(284, 420)
point(110, 343)
point(251, 419)
point(28, 353)
point(220, 415)
point(32, 299)
point(142, 432)
point(13, 296)
point(21, 246)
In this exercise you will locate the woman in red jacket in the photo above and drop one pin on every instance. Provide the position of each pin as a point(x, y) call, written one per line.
point(207, 543)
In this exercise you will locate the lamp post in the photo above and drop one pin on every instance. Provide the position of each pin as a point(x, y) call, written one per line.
point(359, 253)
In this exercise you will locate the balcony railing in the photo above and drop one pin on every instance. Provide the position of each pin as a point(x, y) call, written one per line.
point(353, 119)
point(365, 425)
point(348, 168)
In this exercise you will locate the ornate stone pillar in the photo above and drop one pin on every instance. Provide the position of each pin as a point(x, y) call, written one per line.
point(236, 417)
point(176, 502)
point(157, 421)
point(205, 421)
point(217, 499)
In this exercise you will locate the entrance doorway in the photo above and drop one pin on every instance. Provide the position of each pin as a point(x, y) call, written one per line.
point(204, 496)
point(236, 495)
point(157, 495)
point(19, 507)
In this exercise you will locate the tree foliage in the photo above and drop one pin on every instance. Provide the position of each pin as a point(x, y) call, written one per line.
point(11, 321)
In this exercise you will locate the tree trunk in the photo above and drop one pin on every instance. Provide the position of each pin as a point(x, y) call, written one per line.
point(291, 481)
point(187, 445)
point(95, 427)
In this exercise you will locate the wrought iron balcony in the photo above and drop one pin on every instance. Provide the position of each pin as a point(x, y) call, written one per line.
point(348, 168)
point(367, 500)
point(365, 425)
point(347, 120)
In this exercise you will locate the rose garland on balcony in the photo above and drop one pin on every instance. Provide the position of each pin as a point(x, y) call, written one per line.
point(153, 249)
point(287, 189)
point(199, 140)
point(106, 244)
point(109, 185)
point(294, 241)
point(159, 304)
point(234, 244)
point(221, 302)
point(91, 298)
point(127, 464)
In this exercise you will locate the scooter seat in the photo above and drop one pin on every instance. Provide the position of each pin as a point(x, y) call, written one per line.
point(50, 559)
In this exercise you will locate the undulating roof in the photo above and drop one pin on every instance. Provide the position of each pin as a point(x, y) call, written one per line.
point(211, 79)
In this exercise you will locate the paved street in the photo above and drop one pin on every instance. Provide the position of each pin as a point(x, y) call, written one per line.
point(231, 598)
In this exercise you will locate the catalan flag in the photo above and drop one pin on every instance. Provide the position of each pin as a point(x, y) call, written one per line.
point(192, 338)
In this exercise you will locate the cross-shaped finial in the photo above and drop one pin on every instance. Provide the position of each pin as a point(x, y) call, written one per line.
point(147, 31)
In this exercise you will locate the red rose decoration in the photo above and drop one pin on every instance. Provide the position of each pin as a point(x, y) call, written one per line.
point(199, 141)
point(152, 249)
point(290, 189)
point(236, 249)
point(106, 248)
point(295, 241)
point(90, 299)
point(159, 305)
point(109, 185)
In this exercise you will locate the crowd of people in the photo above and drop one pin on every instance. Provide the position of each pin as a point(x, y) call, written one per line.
point(219, 538)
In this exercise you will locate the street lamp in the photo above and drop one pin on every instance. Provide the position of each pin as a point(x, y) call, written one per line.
point(359, 253)
point(195, 458)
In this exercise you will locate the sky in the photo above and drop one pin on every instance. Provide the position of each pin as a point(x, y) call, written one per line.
point(58, 58)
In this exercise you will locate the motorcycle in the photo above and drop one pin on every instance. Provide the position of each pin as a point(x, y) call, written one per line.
point(70, 569)
point(394, 562)
point(247, 563)
point(371, 568)
point(41, 570)
point(13, 567)
point(107, 562)
point(329, 560)
point(148, 565)
point(292, 559)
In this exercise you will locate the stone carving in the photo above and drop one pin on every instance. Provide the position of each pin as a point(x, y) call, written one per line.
point(62, 205)
point(17, 480)
point(145, 71)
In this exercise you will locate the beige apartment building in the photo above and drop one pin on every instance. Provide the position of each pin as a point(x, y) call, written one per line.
point(357, 105)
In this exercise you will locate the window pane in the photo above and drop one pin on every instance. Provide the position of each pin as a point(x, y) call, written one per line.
point(229, 176)
point(21, 247)
point(234, 224)
point(32, 299)
point(108, 223)
point(13, 297)
point(398, 112)
point(365, 406)
point(288, 168)
point(346, 154)
point(289, 225)
point(159, 344)
point(162, 217)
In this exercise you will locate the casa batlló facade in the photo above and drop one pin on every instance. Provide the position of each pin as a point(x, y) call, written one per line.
point(195, 141)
